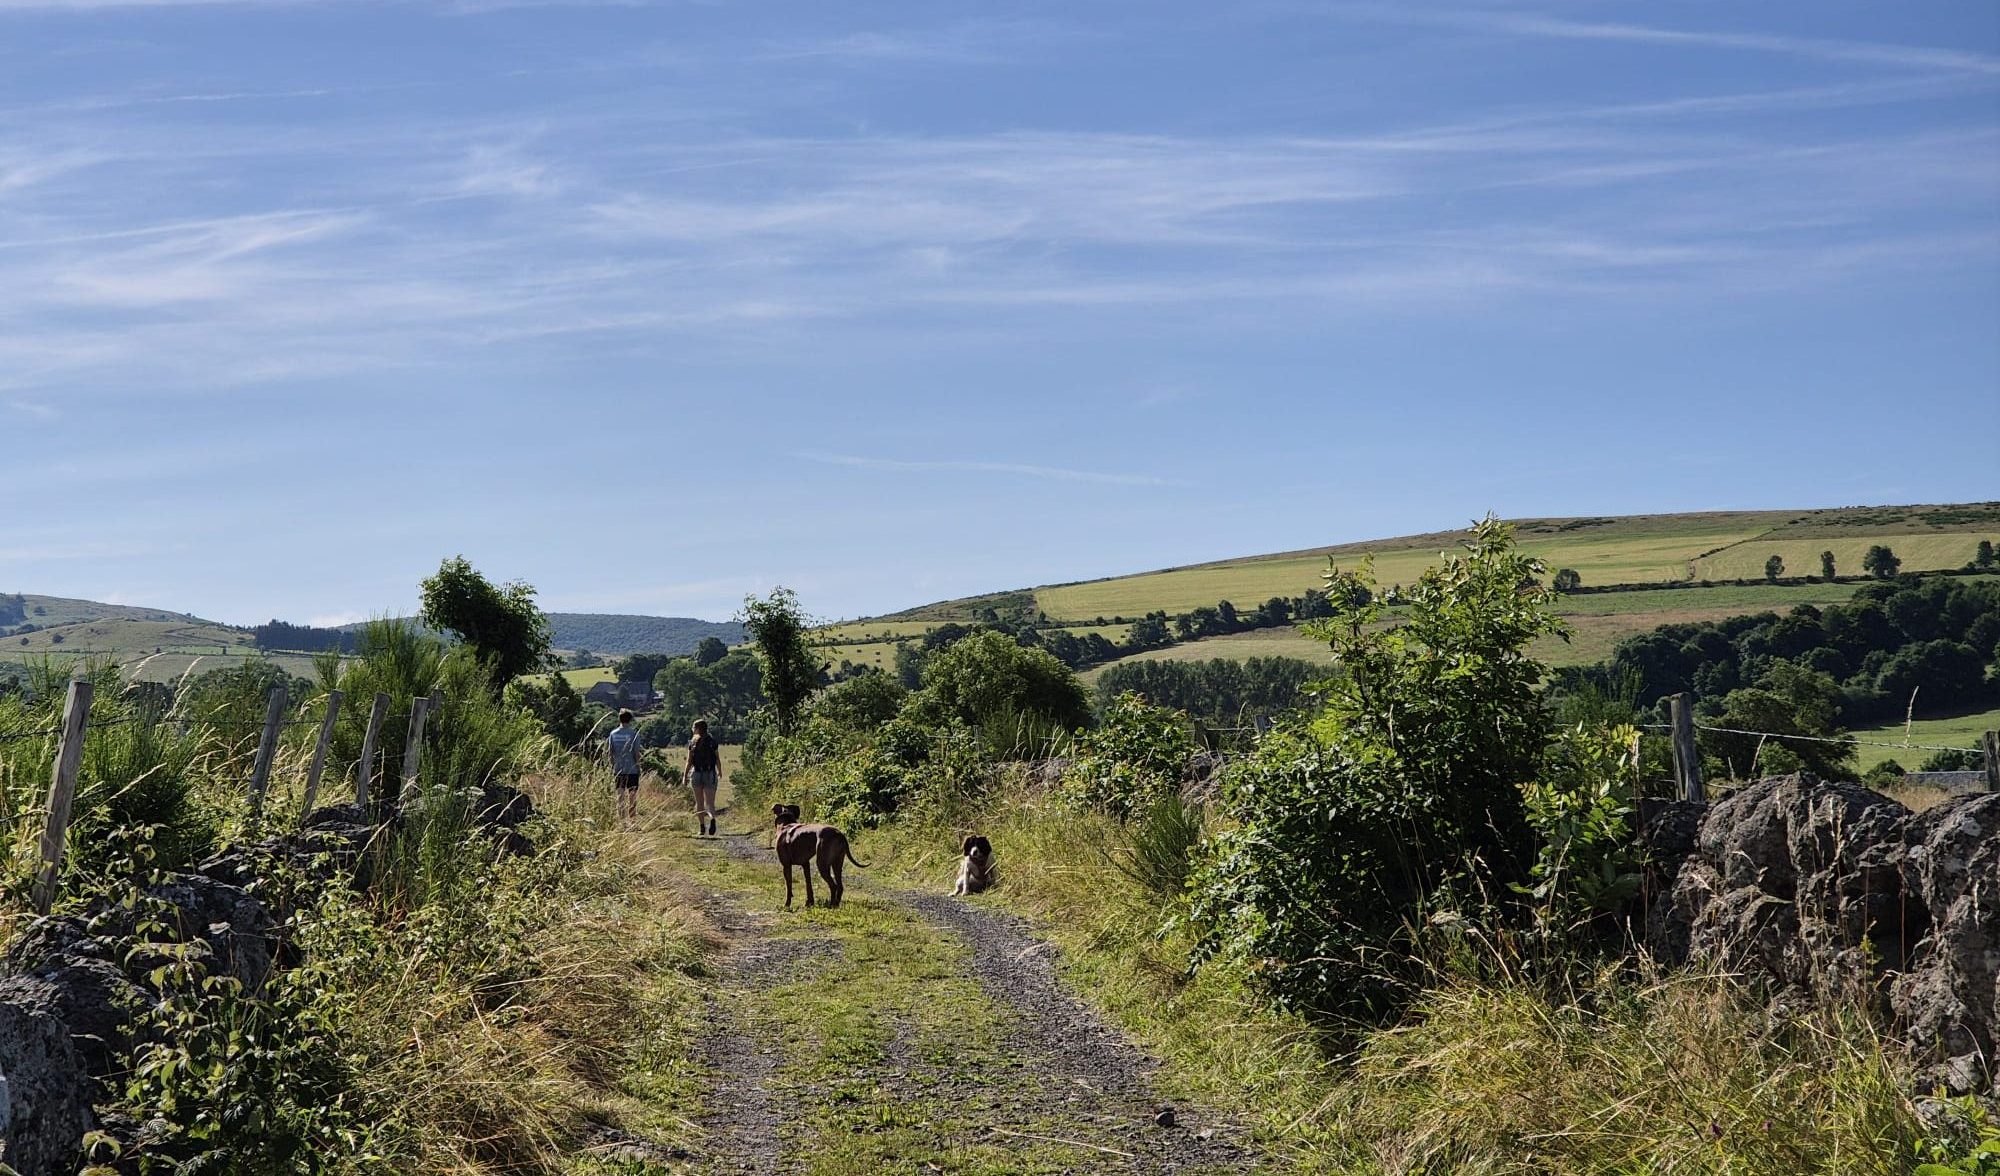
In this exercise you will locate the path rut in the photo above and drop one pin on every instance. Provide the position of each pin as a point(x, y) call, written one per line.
point(1059, 1077)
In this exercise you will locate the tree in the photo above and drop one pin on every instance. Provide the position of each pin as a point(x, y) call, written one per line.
point(640, 667)
point(1983, 556)
point(861, 703)
point(1404, 791)
point(710, 651)
point(1880, 562)
point(1826, 564)
point(1567, 580)
point(1774, 568)
point(556, 706)
point(501, 624)
point(777, 625)
point(989, 681)
point(1148, 632)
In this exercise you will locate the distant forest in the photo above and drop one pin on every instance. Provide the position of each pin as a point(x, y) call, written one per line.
point(619, 634)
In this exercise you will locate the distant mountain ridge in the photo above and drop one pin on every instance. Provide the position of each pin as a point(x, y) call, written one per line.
point(617, 634)
point(622, 633)
point(49, 623)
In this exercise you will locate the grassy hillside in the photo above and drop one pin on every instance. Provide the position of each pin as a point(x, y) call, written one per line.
point(1955, 731)
point(156, 645)
point(1678, 552)
point(148, 644)
point(1637, 549)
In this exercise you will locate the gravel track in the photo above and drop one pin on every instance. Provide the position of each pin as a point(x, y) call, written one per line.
point(742, 1125)
point(1078, 1071)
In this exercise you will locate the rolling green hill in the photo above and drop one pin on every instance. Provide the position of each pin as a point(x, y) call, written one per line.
point(1687, 556)
point(153, 644)
point(148, 644)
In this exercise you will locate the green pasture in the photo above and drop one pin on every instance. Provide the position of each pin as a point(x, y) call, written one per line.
point(1635, 550)
point(1953, 731)
point(586, 678)
point(1919, 553)
point(858, 632)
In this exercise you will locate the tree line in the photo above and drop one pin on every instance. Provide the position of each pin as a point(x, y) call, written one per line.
point(1814, 671)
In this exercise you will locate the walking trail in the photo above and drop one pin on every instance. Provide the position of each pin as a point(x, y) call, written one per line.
point(911, 1032)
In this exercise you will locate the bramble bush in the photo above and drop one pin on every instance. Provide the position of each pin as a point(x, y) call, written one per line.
point(1400, 798)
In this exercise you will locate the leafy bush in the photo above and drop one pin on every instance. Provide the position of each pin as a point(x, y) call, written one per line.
point(228, 1080)
point(1135, 757)
point(1961, 759)
point(861, 703)
point(1579, 810)
point(1016, 698)
point(1402, 796)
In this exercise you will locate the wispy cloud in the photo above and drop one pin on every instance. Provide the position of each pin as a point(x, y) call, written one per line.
point(32, 408)
point(1529, 25)
point(1009, 468)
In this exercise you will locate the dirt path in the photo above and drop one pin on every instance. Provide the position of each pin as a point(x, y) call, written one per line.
point(910, 1032)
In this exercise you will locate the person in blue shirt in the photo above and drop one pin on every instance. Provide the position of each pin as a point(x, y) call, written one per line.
point(625, 764)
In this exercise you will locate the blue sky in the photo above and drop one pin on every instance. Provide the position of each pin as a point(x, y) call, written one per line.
point(656, 304)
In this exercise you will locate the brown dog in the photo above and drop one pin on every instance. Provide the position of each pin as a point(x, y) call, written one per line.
point(806, 845)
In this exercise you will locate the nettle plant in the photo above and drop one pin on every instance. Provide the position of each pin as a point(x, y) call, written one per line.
point(1400, 798)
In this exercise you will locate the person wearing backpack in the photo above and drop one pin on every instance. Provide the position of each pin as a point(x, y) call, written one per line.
point(704, 775)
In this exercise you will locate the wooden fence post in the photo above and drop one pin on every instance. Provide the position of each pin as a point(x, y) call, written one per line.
point(267, 746)
point(413, 751)
point(333, 698)
point(62, 790)
point(1687, 757)
point(1991, 740)
point(366, 773)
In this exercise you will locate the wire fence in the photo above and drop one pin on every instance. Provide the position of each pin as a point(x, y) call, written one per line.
point(1817, 738)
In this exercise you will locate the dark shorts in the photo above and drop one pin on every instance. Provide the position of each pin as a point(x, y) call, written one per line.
point(628, 780)
point(701, 779)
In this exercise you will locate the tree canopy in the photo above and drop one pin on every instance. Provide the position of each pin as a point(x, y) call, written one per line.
point(500, 623)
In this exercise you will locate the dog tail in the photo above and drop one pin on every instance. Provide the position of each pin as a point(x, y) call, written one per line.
point(849, 851)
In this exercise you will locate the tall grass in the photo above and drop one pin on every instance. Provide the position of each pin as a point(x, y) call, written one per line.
point(1500, 1067)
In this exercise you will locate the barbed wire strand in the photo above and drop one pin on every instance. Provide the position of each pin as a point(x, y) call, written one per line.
point(1814, 738)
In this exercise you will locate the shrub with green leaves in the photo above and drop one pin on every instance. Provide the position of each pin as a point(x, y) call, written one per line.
point(1402, 796)
point(1136, 756)
point(1580, 809)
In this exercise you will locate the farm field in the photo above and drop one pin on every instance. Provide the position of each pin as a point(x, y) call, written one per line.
point(1632, 549)
point(147, 650)
point(1919, 553)
point(1644, 549)
point(1952, 731)
point(1598, 622)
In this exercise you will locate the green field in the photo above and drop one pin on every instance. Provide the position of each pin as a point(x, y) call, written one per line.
point(1956, 731)
point(1919, 553)
point(1639, 549)
point(1598, 622)
point(1642, 549)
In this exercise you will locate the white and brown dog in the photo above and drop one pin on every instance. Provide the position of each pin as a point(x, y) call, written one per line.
point(975, 869)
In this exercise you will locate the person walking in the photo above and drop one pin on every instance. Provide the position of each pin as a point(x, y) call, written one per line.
point(704, 775)
point(625, 765)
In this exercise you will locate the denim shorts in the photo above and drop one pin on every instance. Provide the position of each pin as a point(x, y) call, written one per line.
point(704, 779)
